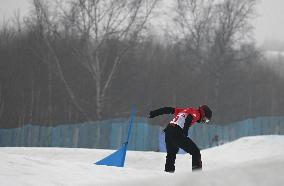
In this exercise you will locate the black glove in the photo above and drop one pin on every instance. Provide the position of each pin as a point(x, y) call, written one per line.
point(185, 132)
point(152, 114)
point(186, 126)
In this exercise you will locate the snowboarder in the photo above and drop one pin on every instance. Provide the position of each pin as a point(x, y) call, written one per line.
point(176, 133)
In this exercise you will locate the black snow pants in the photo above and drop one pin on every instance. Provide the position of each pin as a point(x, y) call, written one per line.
point(175, 139)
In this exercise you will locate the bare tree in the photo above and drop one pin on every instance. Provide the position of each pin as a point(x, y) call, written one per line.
point(101, 25)
point(232, 30)
point(46, 26)
point(195, 20)
point(213, 31)
point(1, 101)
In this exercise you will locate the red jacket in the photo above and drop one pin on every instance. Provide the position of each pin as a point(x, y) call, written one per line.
point(180, 115)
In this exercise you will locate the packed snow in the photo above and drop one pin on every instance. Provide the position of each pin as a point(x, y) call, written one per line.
point(255, 161)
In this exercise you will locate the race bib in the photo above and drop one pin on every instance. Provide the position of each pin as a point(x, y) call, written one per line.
point(179, 119)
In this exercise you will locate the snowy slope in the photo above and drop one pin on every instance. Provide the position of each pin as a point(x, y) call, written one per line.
point(248, 161)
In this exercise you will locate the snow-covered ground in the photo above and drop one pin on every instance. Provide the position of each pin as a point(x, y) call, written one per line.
point(248, 161)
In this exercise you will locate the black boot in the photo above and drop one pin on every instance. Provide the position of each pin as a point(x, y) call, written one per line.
point(169, 168)
point(196, 165)
point(170, 171)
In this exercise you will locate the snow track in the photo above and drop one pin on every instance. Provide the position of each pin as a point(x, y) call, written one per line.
point(252, 161)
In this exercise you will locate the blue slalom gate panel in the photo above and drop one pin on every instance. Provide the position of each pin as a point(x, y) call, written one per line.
point(118, 157)
point(115, 159)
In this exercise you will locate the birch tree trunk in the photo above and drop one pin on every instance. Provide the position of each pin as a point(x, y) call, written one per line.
point(97, 23)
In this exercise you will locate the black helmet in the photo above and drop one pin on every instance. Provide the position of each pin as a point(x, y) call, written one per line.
point(206, 113)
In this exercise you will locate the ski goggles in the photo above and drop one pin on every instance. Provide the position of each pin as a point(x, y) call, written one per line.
point(205, 120)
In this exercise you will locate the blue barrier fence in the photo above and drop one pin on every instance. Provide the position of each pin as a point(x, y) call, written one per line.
point(110, 134)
